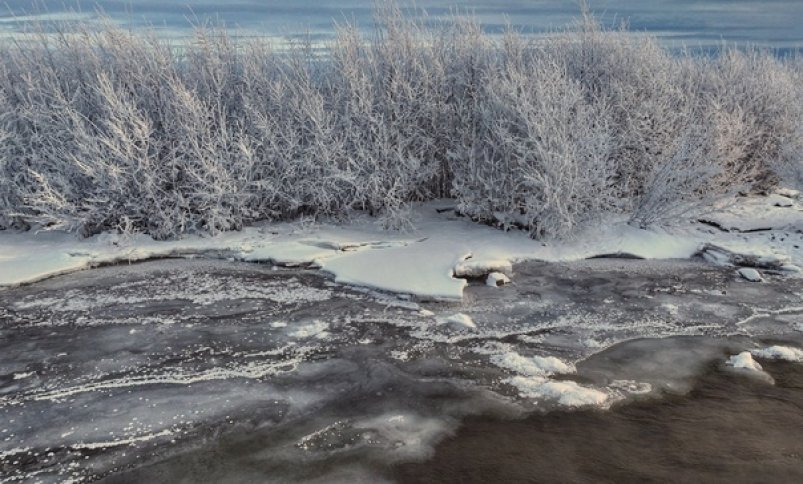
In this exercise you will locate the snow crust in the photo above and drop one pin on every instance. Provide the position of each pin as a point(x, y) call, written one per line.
point(428, 263)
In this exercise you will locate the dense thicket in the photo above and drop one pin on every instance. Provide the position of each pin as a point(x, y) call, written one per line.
point(113, 130)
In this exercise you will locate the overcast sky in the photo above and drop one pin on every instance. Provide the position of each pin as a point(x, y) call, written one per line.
point(773, 23)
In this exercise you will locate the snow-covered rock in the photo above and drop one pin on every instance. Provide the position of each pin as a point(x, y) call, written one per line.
point(750, 274)
point(497, 279)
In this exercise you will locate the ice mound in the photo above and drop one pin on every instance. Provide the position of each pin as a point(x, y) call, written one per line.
point(531, 380)
point(532, 366)
point(785, 353)
point(459, 321)
point(750, 274)
point(565, 393)
point(744, 362)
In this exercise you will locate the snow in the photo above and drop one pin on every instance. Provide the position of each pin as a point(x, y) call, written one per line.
point(786, 353)
point(780, 201)
point(408, 269)
point(479, 267)
point(497, 279)
point(760, 213)
point(531, 379)
point(750, 274)
point(428, 263)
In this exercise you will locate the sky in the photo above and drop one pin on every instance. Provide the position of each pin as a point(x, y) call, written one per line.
point(771, 23)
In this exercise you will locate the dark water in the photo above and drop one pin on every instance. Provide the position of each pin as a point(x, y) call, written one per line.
point(727, 429)
point(214, 371)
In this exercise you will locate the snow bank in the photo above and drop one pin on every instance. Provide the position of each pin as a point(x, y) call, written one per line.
point(428, 263)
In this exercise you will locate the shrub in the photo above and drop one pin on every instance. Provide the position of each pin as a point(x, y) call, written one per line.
point(110, 130)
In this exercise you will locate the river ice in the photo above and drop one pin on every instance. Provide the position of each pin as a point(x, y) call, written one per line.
point(126, 367)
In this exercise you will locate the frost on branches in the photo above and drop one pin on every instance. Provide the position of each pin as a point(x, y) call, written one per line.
point(111, 130)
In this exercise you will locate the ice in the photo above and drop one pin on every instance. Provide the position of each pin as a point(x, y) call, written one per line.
point(474, 267)
point(744, 362)
point(742, 254)
point(532, 366)
point(316, 328)
point(497, 279)
point(750, 274)
point(786, 353)
point(429, 263)
point(459, 320)
point(565, 393)
point(421, 268)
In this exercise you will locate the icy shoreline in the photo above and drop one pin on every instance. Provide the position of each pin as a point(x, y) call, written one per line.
point(432, 262)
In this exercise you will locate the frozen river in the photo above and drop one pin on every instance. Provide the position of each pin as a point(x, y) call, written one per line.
point(187, 370)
